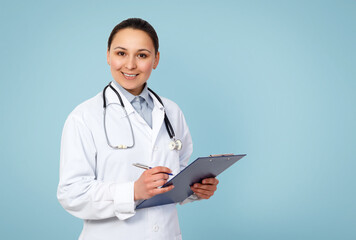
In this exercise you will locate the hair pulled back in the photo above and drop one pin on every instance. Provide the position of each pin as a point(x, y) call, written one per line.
point(139, 24)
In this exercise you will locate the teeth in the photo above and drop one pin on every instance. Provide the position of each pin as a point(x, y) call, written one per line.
point(128, 75)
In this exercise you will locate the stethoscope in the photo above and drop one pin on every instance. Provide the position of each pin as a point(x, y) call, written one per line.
point(175, 144)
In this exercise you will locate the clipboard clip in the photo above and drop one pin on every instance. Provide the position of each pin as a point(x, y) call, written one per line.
point(221, 155)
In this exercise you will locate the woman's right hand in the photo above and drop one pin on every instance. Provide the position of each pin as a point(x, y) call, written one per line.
point(147, 185)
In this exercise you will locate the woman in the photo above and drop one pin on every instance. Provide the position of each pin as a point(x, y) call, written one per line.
point(104, 136)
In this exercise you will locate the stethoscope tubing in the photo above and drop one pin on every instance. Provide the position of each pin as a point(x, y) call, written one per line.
point(166, 120)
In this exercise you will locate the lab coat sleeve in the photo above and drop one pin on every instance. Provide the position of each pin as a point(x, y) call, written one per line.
point(185, 154)
point(187, 143)
point(79, 192)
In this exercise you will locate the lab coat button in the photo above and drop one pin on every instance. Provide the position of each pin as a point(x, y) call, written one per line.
point(155, 228)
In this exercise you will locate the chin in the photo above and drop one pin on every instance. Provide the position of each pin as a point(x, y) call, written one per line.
point(130, 86)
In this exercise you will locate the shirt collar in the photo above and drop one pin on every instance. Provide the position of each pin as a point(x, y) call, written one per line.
point(130, 97)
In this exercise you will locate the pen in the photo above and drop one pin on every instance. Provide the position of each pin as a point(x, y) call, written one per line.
point(139, 165)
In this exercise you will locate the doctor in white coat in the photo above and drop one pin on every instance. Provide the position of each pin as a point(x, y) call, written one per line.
point(98, 183)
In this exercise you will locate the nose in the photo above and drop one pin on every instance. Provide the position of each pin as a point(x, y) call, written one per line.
point(130, 63)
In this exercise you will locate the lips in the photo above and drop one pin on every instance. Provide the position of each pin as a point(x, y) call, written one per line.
point(129, 76)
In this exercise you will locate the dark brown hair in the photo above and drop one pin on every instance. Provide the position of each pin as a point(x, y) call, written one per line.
point(139, 24)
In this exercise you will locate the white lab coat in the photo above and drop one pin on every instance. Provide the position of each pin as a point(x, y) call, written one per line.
point(97, 182)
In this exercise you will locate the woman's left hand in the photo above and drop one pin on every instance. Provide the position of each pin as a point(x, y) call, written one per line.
point(206, 189)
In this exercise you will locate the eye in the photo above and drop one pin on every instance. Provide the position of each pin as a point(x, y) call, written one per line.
point(142, 55)
point(121, 53)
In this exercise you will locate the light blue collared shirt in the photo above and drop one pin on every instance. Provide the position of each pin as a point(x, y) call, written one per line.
point(143, 103)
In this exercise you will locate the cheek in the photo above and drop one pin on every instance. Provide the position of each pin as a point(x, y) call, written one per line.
point(146, 67)
point(116, 64)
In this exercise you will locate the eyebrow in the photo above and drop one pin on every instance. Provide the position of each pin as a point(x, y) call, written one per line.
point(140, 50)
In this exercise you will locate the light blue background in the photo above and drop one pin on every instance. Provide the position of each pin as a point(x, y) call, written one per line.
point(273, 79)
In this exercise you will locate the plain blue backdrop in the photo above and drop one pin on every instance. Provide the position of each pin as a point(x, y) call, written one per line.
point(273, 79)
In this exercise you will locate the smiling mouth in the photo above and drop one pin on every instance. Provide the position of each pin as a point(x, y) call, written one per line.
point(129, 75)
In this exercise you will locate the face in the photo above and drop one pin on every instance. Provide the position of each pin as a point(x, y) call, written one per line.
point(132, 58)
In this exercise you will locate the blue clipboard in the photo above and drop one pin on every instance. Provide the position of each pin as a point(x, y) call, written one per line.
point(201, 168)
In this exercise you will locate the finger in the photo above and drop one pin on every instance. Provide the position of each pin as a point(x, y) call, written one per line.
point(203, 191)
point(213, 181)
point(159, 169)
point(157, 191)
point(203, 196)
point(156, 184)
point(159, 176)
point(205, 187)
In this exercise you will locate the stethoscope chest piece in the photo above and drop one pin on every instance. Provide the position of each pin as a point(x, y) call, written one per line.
point(175, 145)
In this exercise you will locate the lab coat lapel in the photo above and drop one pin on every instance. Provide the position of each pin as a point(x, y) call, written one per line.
point(157, 118)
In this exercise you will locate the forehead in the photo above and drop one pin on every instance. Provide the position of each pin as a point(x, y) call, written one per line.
point(132, 39)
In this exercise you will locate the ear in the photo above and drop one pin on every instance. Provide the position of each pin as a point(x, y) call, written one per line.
point(156, 60)
point(108, 57)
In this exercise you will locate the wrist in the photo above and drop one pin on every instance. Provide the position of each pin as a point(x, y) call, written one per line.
point(135, 195)
point(136, 192)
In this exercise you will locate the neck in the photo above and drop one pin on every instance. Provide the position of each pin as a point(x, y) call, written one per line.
point(136, 91)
